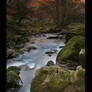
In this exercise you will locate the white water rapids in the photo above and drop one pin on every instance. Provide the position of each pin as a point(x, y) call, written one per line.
point(35, 59)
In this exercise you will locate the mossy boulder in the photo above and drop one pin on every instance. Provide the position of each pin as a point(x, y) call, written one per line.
point(58, 79)
point(14, 68)
point(75, 29)
point(13, 80)
point(69, 55)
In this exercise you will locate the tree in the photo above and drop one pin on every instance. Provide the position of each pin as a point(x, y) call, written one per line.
point(63, 12)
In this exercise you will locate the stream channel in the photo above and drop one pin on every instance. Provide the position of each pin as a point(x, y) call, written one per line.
point(37, 58)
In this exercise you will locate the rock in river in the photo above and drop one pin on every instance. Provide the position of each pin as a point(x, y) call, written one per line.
point(58, 79)
point(28, 48)
point(50, 63)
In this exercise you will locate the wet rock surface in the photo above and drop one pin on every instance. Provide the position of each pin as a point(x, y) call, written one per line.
point(50, 63)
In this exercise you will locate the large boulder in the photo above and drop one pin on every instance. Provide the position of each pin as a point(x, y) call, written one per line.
point(58, 79)
point(69, 55)
point(13, 80)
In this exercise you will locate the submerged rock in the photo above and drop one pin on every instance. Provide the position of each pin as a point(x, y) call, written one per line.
point(50, 63)
point(58, 79)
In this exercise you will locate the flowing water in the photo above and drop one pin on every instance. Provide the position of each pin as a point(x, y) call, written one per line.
point(35, 59)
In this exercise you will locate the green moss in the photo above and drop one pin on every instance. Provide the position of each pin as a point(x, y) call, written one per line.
point(47, 79)
point(80, 73)
point(75, 29)
point(13, 75)
point(13, 80)
point(70, 53)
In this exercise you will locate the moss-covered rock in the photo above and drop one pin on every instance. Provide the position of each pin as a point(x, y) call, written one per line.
point(14, 68)
point(13, 80)
point(69, 55)
point(75, 29)
point(58, 79)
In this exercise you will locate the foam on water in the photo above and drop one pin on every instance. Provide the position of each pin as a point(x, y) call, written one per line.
point(36, 59)
point(31, 65)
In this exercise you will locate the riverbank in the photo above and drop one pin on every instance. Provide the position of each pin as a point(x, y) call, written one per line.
point(71, 77)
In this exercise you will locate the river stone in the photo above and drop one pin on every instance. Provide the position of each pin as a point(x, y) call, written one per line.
point(53, 37)
point(50, 63)
point(30, 48)
point(15, 54)
point(61, 46)
point(27, 67)
point(58, 79)
point(49, 52)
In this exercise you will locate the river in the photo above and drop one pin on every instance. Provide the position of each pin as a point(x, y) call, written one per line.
point(36, 59)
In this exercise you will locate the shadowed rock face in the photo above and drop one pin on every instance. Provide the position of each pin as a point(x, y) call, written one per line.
point(58, 79)
point(50, 63)
point(13, 80)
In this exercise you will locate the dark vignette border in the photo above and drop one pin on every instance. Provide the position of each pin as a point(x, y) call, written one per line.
point(2, 45)
point(88, 39)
